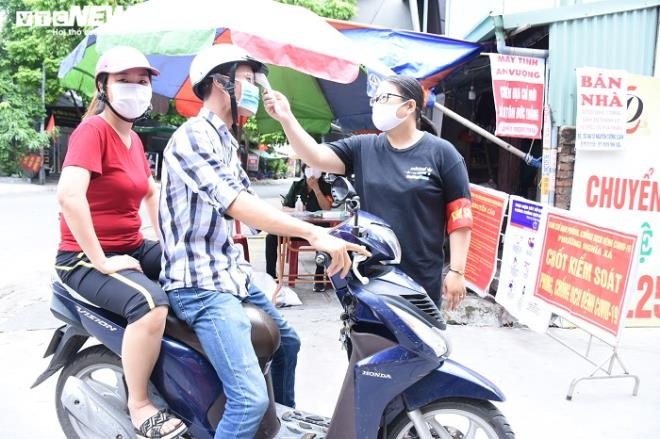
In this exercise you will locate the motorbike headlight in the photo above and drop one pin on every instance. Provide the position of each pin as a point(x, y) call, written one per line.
point(390, 240)
point(428, 334)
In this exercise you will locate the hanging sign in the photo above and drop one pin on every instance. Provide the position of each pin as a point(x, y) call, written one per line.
point(518, 94)
point(600, 120)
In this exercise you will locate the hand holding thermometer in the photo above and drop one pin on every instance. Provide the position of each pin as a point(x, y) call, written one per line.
point(272, 102)
point(261, 79)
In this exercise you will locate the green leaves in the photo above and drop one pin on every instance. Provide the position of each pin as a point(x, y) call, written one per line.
point(338, 9)
point(20, 112)
point(23, 51)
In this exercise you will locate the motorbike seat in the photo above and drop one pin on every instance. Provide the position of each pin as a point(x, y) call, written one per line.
point(265, 333)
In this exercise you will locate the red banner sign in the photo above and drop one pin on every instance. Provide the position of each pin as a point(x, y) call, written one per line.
point(488, 207)
point(518, 93)
point(585, 271)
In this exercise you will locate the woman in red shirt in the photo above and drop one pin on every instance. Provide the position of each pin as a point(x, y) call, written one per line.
point(102, 253)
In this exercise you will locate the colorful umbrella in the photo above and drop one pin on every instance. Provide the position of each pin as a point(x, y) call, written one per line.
point(427, 57)
point(322, 66)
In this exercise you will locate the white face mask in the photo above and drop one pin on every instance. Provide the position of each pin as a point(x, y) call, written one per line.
point(384, 116)
point(130, 100)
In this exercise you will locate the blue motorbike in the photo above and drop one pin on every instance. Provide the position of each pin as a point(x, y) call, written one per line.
point(399, 384)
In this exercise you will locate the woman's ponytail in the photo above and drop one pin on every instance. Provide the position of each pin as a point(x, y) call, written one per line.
point(96, 106)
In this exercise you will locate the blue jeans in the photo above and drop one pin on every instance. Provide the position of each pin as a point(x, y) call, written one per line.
point(223, 329)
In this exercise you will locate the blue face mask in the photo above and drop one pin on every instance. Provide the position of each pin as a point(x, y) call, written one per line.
point(249, 101)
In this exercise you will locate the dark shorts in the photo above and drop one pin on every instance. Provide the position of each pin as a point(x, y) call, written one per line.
point(129, 293)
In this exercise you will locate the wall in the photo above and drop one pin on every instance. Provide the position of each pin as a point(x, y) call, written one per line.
point(626, 41)
point(462, 16)
point(565, 166)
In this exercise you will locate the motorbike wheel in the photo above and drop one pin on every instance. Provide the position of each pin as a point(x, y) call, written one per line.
point(456, 418)
point(102, 371)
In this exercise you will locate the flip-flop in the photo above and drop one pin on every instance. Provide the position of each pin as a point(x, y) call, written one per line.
point(151, 428)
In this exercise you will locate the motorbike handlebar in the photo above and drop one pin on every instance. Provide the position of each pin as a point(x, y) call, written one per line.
point(322, 259)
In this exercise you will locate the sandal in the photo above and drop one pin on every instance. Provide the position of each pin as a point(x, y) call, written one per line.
point(151, 428)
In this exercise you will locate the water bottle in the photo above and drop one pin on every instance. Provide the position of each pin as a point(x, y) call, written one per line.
point(300, 207)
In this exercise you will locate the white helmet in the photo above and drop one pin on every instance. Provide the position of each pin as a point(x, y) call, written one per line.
point(120, 58)
point(217, 57)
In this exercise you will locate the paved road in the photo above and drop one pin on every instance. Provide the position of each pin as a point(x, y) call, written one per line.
point(533, 370)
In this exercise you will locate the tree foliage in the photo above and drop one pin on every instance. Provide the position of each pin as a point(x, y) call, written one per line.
point(337, 9)
point(23, 52)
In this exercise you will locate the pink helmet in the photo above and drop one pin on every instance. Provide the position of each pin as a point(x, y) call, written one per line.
point(122, 58)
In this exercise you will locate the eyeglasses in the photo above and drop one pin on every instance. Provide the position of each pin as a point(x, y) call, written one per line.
point(384, 98)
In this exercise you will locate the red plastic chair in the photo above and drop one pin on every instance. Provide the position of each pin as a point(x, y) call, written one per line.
point(296, 245)
point(238, 238)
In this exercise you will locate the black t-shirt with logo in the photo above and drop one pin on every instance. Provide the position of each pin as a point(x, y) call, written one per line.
point(409, 188)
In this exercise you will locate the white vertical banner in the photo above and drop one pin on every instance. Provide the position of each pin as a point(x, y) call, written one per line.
point(621, 188)
point(601, 109)
point(520, 263)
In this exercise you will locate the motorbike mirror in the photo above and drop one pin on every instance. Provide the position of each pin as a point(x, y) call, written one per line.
point(341, 191)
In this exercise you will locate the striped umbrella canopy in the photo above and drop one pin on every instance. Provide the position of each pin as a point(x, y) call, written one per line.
point(324, 67)
point(427, 57)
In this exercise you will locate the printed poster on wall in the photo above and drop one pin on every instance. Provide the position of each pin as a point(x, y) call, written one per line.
point(585, 273)
point(518, 93)
point(600, 122)
point(488, 207)
point(622, 189)
point(520, 261)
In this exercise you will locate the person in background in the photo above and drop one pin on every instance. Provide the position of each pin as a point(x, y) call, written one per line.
point(314, 193)
point(204, 271)
point(102, 254)
point(415, 181)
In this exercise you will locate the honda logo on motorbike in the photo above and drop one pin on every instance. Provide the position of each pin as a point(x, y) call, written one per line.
point(371, 373)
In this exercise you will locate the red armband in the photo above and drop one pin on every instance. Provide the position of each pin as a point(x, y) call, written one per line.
point(459, 214)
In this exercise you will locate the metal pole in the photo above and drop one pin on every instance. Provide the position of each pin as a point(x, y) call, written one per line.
point(477, 129)
point(42, 171)
point(425, 16)
point(414, 15)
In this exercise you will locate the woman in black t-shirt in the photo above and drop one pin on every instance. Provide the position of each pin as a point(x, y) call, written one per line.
point(415, 181)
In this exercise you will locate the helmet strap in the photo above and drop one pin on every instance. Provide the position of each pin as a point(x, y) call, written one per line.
point(232, 97)
point(230, 87)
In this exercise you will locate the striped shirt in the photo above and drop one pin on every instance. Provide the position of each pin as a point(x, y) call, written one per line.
point(202, 176)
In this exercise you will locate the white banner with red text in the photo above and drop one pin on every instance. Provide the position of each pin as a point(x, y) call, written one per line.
point(600, 120)
point(621, 187)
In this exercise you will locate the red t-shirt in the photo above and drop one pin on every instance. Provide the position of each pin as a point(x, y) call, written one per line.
point(118, 183)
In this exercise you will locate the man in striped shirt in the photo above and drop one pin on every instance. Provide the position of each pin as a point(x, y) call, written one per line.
point(204, 272)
